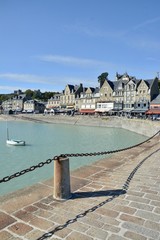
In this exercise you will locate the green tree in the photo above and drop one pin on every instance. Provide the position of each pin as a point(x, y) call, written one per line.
point(29, 93)
point(102, 78)
point(4, 97)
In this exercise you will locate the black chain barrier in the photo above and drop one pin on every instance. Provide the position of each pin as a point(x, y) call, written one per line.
point(48, 161)
point(112, 194)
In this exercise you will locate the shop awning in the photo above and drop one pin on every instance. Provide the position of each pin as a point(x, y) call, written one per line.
point(139, 110)
point(87, 111)
point(153, 111)
point(127, 110)
point(115, 110)
point(69, 106)
point(102, 110)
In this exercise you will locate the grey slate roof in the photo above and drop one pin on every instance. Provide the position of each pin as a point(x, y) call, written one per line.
point(71, 87)
point(96, 90)
point(114, 84)
point(156, 100)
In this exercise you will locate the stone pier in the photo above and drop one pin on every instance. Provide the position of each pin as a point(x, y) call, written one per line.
point(116, 198)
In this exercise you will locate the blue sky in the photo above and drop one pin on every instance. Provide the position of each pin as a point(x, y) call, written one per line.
point(47, 44)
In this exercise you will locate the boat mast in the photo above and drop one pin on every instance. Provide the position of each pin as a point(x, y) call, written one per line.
point(7, 129)
point(7, 134)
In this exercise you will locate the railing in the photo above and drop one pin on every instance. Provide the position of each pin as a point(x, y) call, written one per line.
point(62, 189)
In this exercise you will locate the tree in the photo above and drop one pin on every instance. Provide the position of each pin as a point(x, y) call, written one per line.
point(4, 97)
point(29, 93)
point(102, 78)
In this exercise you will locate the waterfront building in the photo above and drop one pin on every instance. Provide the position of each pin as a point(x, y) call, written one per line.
point(104, 107)
point(88, 100)
point(69, 95)
point(14, 104)
point(154, 107)
point(78, 99)
point(33, 106)
point(7, 105)
point(129, 94)
point(53, 102)
point(106, 91)
point(126, 95)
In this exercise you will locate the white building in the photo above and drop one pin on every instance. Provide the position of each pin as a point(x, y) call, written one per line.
point(104, 107)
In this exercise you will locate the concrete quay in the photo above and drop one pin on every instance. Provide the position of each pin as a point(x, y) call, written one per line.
point(144, 127)
point(115, 198)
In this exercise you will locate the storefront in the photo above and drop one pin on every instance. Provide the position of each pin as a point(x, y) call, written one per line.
point(87, 111)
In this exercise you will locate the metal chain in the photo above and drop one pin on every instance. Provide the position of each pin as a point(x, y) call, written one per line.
point(32, 168)
point(106, 152)
point(114, 193)
point(48, 161)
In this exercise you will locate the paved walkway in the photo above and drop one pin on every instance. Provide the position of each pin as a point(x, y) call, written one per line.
point(116, 198)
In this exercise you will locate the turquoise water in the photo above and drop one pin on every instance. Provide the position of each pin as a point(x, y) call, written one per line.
point(45, 141)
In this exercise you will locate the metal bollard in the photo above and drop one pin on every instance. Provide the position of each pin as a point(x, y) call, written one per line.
point(61, 179)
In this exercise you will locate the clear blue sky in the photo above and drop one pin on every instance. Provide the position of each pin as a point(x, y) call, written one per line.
point(46, 44)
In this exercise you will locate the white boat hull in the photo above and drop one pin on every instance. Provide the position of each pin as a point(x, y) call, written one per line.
point(15, 142)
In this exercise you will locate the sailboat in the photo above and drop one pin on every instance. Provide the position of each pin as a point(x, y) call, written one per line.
point(13, 141)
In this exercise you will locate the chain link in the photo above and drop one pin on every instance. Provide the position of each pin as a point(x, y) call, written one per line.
point(48, 161)
point(113, 193)
point(106, 152)
point(32, 168)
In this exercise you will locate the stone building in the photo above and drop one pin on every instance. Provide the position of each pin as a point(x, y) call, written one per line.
point(54, 102)
point(69, 95)
point(88, 100)
point(33, 106)
point(154, 108)
point(106, 91)
point(15, 104)
point(128, 93)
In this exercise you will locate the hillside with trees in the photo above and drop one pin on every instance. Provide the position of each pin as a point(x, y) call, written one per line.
point(32, 94)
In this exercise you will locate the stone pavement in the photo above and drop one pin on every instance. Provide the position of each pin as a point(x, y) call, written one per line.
point(115, 198)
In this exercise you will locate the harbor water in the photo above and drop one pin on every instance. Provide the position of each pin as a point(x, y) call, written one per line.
point(44, 141)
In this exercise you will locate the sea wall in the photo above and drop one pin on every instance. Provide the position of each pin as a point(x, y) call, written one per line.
point(144, 127)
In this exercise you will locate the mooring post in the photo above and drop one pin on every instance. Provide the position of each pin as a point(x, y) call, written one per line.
point(61, 179)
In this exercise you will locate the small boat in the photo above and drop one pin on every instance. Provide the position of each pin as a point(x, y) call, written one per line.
point(14, 142)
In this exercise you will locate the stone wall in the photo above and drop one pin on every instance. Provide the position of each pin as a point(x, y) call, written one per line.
point(144, 127)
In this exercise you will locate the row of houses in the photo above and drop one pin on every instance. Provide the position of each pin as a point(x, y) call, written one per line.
point(21, 103)
point(125, 95)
